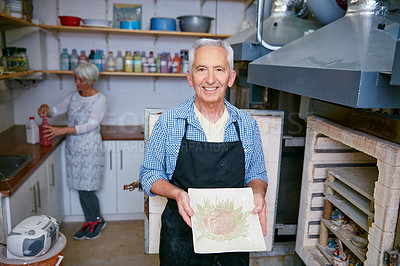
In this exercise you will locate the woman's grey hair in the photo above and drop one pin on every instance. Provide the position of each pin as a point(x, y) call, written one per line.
point(87, 71)
point(211, 42)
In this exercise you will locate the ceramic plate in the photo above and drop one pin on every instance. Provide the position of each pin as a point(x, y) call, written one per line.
point(223, 221)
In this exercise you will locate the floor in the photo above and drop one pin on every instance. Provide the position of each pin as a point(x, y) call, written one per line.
point(122, 243)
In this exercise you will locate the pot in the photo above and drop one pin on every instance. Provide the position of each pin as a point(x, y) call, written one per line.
point(168, 24)
point(70, 21)
point(96, 22)
point(195, 23)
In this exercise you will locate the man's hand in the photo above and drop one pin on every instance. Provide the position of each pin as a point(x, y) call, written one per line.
point(259, 189)
point(184, 208)
point(261, 209)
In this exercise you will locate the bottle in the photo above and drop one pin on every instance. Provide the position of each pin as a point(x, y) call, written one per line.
point(82, 58)
point(137, 61)
point(110, 62)
point(164, 63)
point(25, 60)
point(150, 59)
point(32, 131)
point(158, 63)
point(97, 60)
point(65, 60)
point(128, 62)
point(74, 59)
point(103, 61)
point(119, 62)
point(185, 62)
point(176, 65)
point(91, 57)
point(169, 62)
point(43, 140)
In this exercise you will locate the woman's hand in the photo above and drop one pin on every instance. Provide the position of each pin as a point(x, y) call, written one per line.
point(51, 132)
point(43, 110)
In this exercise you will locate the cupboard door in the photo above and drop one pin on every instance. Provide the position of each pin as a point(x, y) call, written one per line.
point(107, 194)
point(130, 156)
point(54, 183)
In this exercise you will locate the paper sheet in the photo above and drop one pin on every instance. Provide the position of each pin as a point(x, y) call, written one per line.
point(223, 221)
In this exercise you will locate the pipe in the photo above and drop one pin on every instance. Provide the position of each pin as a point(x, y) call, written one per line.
point(260, 15)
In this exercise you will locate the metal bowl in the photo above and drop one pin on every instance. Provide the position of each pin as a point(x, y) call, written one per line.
point(195, 23)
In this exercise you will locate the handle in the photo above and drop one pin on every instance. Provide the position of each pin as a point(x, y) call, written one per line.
point(52, 176)
point(60, 258)
point(34, 199)
point(121, 160)
point(259, 26)
point(110, 160)
point(39, 204)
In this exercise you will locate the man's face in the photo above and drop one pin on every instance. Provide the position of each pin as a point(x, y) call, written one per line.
point(210, 74)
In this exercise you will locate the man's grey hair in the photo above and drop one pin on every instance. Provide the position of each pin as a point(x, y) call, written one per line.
point(211, 42)
point(88, 71)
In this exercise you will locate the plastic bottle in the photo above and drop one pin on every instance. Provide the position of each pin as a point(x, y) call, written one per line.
point(128, 62)
point(119, 62)
point(74, 59)
point(103, 61)
point(91, 57)
point(97, 60)
point(150, 59)
point(32, 131)
point(176, 65)
point(82, 58)
point(185, 62)
point(169, 62)
point(43, 140)
point(65, 60)
point(137, 62)
point(164, 63)
point(110, 62)
point(158, 63)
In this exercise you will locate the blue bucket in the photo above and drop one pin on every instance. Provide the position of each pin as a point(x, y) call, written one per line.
point(166, 24)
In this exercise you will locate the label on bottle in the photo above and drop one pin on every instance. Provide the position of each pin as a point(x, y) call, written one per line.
point(128, 66)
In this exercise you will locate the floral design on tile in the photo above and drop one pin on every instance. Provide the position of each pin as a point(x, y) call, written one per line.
point(220, 221)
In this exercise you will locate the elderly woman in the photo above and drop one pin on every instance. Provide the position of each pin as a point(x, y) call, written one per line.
point(84, 156)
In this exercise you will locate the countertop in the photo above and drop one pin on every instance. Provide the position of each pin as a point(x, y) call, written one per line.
point(13, 142)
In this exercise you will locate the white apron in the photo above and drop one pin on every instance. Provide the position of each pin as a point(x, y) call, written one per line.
point(84, 153)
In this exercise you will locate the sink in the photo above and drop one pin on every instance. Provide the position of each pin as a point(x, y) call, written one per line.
point(11, 164)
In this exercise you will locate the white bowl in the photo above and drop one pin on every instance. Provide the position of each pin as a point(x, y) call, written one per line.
point(96, 22)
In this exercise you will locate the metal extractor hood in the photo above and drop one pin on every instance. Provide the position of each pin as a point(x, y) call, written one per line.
point(348, 61)
point(281, 27)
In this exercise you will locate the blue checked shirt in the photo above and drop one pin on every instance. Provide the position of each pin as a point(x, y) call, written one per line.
point(163, 147)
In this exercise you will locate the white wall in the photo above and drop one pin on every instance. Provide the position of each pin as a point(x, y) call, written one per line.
point(127, 96)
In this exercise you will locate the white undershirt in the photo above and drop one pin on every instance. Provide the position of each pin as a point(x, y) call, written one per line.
point(214, 132)
point(99, 110)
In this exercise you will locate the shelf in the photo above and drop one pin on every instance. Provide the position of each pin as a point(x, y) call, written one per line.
point(64, 72)
point(133, 32)
point(325, 253)
point(8, 22)
point(351, 195)
point(339, 234)
point(350, 210)
point(361, 179)
point(18, 74)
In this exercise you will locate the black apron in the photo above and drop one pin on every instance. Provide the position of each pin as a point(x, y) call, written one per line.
point(200, 165)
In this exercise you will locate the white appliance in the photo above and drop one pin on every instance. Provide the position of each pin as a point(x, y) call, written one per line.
point(32, 237)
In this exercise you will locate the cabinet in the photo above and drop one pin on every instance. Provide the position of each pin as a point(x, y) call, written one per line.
point(350, 190)
point(41, 193)
point(122, 163)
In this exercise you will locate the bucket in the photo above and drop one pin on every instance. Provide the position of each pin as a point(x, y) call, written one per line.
point(53, 257)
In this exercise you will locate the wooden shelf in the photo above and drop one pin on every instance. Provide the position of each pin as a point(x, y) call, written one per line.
point(8, 22)
point(18, 74)
point(350, 210)
point(351, 195)
point(325, 253)
point(340, 234)
point(361, 179)
point(132, 32)
point(64, 72)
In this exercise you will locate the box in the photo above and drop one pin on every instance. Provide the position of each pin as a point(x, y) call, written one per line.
point(126, 12)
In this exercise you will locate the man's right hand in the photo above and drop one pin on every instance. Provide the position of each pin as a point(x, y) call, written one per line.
point(184, 208)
